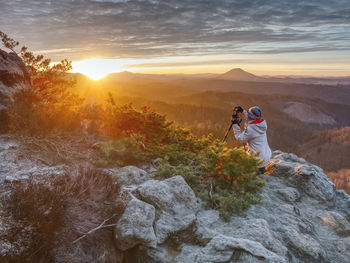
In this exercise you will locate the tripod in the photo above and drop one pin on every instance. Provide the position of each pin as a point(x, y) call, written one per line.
point(227, 132)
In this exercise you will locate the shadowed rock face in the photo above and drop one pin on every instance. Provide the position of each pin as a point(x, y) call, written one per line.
point(301, 219)
point(13, 76)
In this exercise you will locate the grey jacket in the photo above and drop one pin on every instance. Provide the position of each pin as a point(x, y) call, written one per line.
point(255, 135)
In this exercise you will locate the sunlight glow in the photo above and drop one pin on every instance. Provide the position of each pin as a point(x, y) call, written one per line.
point(98, 68)
point(311, 64)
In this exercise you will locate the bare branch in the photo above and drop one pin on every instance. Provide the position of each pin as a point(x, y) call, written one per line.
point(95, 229)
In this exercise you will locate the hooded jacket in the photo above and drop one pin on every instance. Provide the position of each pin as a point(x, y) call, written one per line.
point(255, 135)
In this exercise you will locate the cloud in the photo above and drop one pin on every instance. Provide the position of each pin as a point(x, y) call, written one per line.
point(157, 28)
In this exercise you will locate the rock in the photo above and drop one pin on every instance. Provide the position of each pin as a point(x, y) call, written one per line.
point(259, 230)
point(342, 202)
point(244, 257)
point(188, 253)
point(306, 226)
point(160, 254)
point(307, 178)
point(317, 183)
point(204, 225)
point(343, 247)
point(136, 226)
point(175, 203)
point(303, 244)
point(288, 157)
point(221, 249)
point(129, 175)
point(289, 194)
point(13, 77)
point(336, 222)
point(280, 168)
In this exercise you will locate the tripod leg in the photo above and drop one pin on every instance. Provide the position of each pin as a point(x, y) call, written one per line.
point(227, 132)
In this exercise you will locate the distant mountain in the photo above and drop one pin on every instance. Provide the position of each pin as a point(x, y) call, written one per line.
point(126, 75)
point(236, 74)
point(239, 74)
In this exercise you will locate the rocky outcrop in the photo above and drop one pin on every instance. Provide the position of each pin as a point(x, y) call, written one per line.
point(301, 219)
point(13, 73)
point(13, 77)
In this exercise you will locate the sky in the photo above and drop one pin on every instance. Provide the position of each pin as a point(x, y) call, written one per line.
point(265, 37)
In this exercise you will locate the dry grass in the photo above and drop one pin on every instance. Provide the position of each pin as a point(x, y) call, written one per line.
point(341, 179)
point(59, 148)
point(60, 210)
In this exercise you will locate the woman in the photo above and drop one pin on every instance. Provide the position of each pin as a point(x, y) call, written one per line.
point(255, 135)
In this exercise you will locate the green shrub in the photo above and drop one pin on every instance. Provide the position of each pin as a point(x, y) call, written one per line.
point(122, 151)
point(224, 178)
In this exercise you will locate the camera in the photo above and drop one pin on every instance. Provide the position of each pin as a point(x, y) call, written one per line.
point(235, 117)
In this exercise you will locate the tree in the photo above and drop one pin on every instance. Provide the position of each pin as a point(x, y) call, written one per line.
point(50, 81)
point(52, 88)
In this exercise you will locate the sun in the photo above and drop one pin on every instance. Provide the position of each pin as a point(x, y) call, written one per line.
point(97, 68)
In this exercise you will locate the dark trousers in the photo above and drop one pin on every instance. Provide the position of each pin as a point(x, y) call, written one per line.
point(262, 170)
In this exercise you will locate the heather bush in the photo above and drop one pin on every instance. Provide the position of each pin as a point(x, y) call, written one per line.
point(60, 209)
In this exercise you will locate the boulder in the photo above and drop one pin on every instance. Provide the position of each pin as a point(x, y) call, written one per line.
point(129, 175)
point(14, 76)
point(316, 183)
point(160, 254)
point(305, 177)
point(335, 221)
point(259, 230)
point(175, 202)
point(136, 226)
point(221, 249)
point(205, 229)
point(303, 245)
